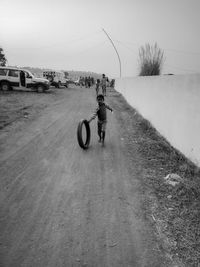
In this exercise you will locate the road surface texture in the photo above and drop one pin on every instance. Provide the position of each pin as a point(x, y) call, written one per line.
point(61, 205)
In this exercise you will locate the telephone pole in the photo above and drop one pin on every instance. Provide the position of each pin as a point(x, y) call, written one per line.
point(120, 68)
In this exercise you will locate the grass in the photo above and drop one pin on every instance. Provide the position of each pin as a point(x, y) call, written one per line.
point(177, 207)
point(150, 59)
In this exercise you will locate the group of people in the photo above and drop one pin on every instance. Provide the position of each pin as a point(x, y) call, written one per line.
point(86, 81)
point(90, 81)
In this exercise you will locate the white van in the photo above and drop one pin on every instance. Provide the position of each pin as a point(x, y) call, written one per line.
point(56, 78)
point(15, 78)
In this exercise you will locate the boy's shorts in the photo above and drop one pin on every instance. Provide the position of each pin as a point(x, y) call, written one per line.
point(102, 125)
point(104, 87)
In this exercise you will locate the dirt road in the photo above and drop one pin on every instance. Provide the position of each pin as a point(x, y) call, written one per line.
point(63, 206)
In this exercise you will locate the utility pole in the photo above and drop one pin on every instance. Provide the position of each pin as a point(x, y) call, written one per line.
point(120, 69)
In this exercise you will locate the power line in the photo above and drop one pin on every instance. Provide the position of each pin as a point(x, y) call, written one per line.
point(131, 43)
point(83, 37)
point(126, 46)
point(182, 51)
point(89, 48)
point(166, 49)
point(87, 36)
point(174, 50)
point(181, 68)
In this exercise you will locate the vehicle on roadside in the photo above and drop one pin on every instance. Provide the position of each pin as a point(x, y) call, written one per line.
point(77, 82)
point(56, 78)
point(70, 81)
point(16, 78)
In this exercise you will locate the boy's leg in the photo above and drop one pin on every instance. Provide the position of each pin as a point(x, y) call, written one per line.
point(103, 132)
point(99, 131)
point(104, 91)
point(103, 136)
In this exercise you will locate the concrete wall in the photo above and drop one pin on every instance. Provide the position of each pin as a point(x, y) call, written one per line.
point(172, 104)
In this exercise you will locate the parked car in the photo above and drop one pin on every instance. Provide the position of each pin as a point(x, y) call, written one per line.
point(70, 81)
point(15, 78)
point(56, 78)
point(77, 82)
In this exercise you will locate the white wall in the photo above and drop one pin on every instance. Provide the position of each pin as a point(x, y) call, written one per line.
point(172, 104)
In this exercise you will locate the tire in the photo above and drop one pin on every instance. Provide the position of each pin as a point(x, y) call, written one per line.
point(5, 86)
point(40, 88)
point(83, 144)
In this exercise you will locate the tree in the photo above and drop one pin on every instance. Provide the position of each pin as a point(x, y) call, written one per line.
point(3, 59)
point(150, 60)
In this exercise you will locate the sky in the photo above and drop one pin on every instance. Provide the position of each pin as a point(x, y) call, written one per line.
point(71, 34)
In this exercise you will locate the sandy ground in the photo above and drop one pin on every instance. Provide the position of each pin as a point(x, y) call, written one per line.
point(64, 206)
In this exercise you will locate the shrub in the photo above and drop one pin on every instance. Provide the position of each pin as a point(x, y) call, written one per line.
point(150, 60)
point(2, 58)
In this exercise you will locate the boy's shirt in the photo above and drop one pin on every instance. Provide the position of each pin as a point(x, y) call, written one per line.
point(103, 81)
point(100, 112)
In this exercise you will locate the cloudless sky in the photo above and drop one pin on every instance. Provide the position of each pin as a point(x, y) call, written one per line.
point(68, 35)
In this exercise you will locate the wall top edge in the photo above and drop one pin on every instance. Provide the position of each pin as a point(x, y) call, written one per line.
point(161, 76)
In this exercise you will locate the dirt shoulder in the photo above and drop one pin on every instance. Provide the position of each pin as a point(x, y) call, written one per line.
point(22, 106)
point(18, 109)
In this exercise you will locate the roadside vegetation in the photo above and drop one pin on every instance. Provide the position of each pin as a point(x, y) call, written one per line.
point(150, 60)
point(173, 210)
point(3, 59)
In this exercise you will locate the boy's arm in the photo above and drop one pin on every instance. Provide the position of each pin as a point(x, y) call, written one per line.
point(93, 115)
point(109, 108)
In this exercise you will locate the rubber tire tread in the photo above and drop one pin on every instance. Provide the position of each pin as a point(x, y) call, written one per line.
point(79, 134)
